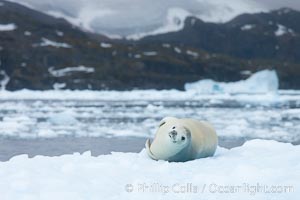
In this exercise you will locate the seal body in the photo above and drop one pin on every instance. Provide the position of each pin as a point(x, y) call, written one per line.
point(179, 140)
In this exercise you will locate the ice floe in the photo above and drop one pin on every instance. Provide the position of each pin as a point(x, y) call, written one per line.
point(259, 169)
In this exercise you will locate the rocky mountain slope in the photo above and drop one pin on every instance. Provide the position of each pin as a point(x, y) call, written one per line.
point(41, 52)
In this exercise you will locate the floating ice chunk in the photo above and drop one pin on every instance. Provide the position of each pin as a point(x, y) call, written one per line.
point(46, 42)
point(261, 82)
point(105, 45)
point(63, 118)
point(8, 27)
point(16, 125)
point(69, 70)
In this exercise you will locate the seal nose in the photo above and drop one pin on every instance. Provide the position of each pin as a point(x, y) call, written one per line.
point(173, 134)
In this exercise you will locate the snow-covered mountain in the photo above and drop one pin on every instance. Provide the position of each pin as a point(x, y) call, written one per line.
point(137, 18)
point(134, 19)
point(39, 51)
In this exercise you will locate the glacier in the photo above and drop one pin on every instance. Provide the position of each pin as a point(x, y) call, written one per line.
point(265, 81)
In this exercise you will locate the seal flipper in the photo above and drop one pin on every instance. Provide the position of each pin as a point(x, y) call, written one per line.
point(150, 154)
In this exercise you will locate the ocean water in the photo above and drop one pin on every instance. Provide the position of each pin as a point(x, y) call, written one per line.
point(56, 118)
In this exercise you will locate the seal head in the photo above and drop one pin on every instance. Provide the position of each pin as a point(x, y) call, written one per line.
point(172, 141)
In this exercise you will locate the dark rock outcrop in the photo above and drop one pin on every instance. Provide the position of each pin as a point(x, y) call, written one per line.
point(43, 52)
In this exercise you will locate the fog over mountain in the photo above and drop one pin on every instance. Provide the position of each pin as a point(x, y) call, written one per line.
point(135, 18)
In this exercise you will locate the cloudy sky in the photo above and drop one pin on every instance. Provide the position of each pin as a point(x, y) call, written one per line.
point(126, 17)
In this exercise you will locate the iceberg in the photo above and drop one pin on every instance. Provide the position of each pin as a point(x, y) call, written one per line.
point(260, 169)
point(265, 81)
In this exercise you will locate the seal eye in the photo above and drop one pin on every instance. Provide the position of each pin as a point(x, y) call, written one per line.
point(173, 127)
point(182, 138)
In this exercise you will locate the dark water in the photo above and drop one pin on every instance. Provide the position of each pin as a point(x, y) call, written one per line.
point(57, 127)
point(10, 147)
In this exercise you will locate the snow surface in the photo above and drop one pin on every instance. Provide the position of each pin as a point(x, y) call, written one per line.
point(8, 27)
point(46, 42)
point(259, 169)
point(261, 82)
point(69, 70)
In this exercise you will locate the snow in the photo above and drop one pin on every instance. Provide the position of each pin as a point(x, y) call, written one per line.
point(192, 53)
point(247, 27)
point(23, 64)
point(137, 56)
point(67, 71)
point(150, 53)
point(59, 33)
point(282, 30)
point(5, 79)
point(165, 45)
point(46, 42)
point(58, 86)
point(177, 49)
point(259, 169)
point(105, 45)
point(8, 27)
point(27, 33)
point(135, 21)
point(174, 22)
point(261, 82)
